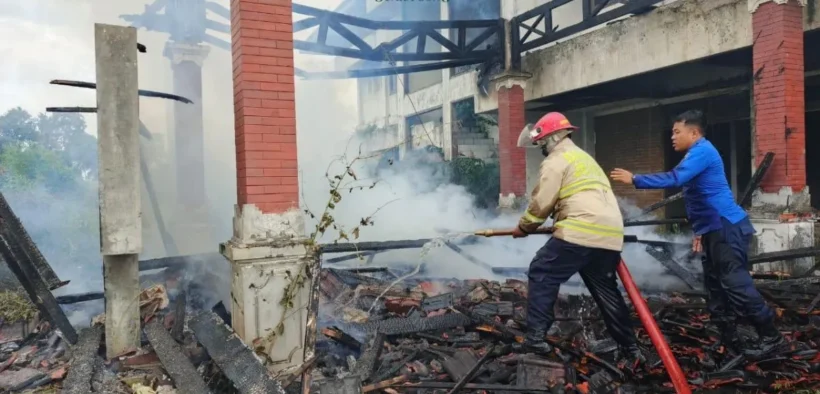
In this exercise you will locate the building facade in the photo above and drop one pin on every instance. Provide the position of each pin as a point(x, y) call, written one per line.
point(753, 66)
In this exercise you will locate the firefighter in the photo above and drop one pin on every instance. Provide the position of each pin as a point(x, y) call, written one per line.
point(587, 239)
point(721, 229)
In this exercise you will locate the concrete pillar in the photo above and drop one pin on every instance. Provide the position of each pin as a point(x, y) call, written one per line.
point(120, 205)
point(268, 251)
point(779, 127)
point(192, 212)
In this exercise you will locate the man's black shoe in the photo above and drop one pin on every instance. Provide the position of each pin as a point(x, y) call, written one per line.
point(771, 342)
point(731, 340)
point(536, 341)
point(630, 359)
point(767, 346)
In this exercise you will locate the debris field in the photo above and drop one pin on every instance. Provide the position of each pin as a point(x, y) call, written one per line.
point(431, 336)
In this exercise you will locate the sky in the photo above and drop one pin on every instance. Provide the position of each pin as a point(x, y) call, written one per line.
point(45, 40)
point(54, 39)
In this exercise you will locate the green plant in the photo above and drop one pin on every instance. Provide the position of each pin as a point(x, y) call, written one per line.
point(465, 117)
point(481, 179)
point(345, 180)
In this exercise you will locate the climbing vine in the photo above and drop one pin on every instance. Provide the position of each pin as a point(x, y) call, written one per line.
point(479, 178)
point(345, 180)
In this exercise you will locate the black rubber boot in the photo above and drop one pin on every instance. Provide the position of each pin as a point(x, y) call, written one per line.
point(536, 341)
point(770, 342)
point(730, 338)
point(630, 358)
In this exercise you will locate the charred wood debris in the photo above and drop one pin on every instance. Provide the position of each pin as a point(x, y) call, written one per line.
point(380, 331)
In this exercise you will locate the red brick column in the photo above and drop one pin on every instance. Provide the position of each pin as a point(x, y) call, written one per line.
point(511, 158)
point(779, 99)
point(264, 108)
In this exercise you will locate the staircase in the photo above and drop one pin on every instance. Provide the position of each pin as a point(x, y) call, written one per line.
point(472, 142)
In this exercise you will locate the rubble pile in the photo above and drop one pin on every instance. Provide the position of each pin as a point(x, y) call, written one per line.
point(184, 350)
point(381, 332)
point(430, 336)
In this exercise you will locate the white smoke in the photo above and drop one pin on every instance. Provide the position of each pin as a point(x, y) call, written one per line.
point(412, 203)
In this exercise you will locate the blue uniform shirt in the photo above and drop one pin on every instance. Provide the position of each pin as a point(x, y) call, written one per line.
point(706, 192)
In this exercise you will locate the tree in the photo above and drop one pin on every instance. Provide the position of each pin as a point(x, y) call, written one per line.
point(48, 169)
point(50, 148)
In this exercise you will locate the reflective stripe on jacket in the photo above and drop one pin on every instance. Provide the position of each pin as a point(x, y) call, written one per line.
point(575, 190)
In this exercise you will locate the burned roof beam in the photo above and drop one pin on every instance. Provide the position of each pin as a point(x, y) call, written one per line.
point(233, 357)
point(664, 256)
point(746, 197)
point(28, 246)
point(22, 266)
point(660, 204)
point(356, 47)
point(185, 376)
point(177, 261)
point(76, 110)
point(391, 25)
point(141, 92)
point(379, 72)
point(588, 21)
point(784, 255)
point(81, 370)
point(418, 243)
point(79, 297)
point(655, 222)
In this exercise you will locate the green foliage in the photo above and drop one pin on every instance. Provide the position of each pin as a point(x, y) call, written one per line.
point(481, 179)
point(25, 166)
point(464, 113)
point(60, 141)
point(48, 175)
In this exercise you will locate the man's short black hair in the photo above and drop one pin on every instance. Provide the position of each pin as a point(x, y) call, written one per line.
point(693, 118)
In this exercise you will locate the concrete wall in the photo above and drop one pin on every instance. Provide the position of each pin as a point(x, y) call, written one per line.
point(679, 32)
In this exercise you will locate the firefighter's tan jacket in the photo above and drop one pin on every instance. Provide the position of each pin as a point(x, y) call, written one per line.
point(575, 190)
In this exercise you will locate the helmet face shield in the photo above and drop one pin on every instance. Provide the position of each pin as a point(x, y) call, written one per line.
point(533, 132)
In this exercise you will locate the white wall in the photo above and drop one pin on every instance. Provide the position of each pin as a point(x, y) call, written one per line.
point(683, 31)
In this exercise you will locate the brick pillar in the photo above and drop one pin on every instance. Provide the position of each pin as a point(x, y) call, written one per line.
point(269, 229)
point(265, 116)
point(779, 98)
point(780, 127)
point(512, 159)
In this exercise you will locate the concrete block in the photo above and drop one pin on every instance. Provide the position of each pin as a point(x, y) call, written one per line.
point(257, 288)
point(253, 227)
point(118, 139)
point(266, 253)
point(774, 236)
point(771, 205)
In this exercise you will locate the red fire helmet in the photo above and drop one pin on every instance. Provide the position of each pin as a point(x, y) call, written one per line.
point(549, 124)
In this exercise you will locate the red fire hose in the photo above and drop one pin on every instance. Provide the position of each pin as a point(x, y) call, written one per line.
point(651, 326)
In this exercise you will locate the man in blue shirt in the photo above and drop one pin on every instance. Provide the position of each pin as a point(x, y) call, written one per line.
point(722, 231)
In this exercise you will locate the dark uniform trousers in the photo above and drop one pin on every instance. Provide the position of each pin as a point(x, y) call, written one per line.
point(726, 276)
point(555, 263)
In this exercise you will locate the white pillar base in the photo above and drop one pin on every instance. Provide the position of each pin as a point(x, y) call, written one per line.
point(775, 236)
point(266, 252)
point(511, 203)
